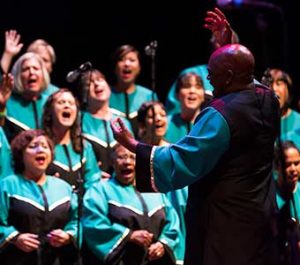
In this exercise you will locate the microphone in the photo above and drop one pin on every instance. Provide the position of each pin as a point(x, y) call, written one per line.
point(151, 48)
point(73, 75)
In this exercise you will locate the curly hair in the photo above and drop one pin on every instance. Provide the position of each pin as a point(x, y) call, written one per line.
point(20, 143)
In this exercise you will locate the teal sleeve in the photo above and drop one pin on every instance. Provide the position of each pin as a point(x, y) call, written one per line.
point(192, 157)
point(92, 172)
point(5, 156)
point(72, 226)
point(169, 234)
point(178, 199)
point(7, 232)
point(100, 233)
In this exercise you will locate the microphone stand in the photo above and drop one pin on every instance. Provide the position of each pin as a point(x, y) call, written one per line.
point(80, 176)
point(150, 50)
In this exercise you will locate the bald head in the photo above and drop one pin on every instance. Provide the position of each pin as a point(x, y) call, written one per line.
point(231, 68)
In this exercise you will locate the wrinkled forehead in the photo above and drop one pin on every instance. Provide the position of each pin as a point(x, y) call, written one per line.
point(32, 61)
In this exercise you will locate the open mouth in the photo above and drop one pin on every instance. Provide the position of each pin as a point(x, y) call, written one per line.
point(99, 91)
point(126, 171)
point(127, 71)
point(191, 98)
point(294, 177)
point(159, 126)
point(66, 114)
point(31, 81)
point(40, 159)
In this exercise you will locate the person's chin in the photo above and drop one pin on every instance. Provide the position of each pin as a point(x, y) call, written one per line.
point(67, 123)
point(127, 179)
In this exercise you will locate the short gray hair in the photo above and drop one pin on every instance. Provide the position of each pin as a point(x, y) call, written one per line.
point(17, 69)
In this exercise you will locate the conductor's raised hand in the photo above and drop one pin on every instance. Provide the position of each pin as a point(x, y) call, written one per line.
point(217, 23)
point(123, 135)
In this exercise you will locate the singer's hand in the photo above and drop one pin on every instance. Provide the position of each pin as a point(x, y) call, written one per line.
point(156, 251)
point(217, 23)
point(27, 242)
point(6, 86)
point(141, 237)
point(12, 47)
point(12, 42)
point(58, 238)
point(123, 135)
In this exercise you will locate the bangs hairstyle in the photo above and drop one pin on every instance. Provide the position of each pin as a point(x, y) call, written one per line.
point(92, 74)
point(84, 81)
point(17, 71)
point(143, 110)
point(20, 143)
point(121, 51)
point(86, 78)
point(279, 75)
point(273, 75)
point(184, 80)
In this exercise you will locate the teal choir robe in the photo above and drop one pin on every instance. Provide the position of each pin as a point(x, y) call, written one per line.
point(24, 114)
point(178, 128)
point(99, 134)
point(129, 103)
point(6, 167)
point(288, 225)
point(27, 207)
point(112, 211)
point(71, 166)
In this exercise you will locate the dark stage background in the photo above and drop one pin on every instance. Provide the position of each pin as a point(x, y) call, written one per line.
point(90, 31)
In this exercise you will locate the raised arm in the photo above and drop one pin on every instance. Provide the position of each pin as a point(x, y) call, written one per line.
point(12, 48)
point(218, 24)
point(6, 85)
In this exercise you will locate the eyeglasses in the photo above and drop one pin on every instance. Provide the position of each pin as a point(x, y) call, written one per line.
point(125, 157)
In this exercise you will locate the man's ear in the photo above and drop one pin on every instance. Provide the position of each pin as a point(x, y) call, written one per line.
point(229, 76)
